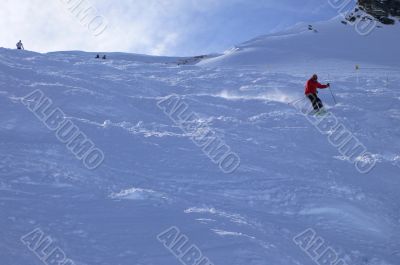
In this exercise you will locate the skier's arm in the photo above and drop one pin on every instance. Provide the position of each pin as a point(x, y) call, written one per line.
point(322, 86)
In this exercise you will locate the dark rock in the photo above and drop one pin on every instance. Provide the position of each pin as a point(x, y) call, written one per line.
point(382, 10)
point(352, 19)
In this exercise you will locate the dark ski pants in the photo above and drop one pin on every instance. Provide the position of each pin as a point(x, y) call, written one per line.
point(316, 101)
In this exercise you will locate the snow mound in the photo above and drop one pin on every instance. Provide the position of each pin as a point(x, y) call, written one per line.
point(320, 43)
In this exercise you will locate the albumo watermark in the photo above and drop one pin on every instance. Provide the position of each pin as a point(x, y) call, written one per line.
point(65, 130)
point(44, 248)
point(314, 246)
point(363, 25)
point(178, 244)
point(347, 144)
point(87, 15)
point(201, 134)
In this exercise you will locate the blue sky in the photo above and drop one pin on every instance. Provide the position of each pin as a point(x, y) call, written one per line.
point(160, 27)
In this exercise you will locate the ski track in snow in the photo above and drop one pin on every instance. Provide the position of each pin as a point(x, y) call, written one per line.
point(154, 177)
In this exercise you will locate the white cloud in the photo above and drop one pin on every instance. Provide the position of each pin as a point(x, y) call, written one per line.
point(143, 26)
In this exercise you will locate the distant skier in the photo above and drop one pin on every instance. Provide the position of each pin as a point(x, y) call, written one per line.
point(97, 56)
point(104, 57)
point(20, 46)
point(312, 93)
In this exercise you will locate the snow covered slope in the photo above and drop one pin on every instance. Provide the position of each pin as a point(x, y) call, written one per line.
point(154, 176)
point(328, 40)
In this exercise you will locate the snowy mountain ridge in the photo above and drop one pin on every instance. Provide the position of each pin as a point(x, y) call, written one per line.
point(313, 44)
point(158, 198)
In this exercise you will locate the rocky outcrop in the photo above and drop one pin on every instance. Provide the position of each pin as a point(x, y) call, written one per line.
point(386, 11)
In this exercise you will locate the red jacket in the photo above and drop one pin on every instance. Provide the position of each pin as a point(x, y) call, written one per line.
point(312, 85)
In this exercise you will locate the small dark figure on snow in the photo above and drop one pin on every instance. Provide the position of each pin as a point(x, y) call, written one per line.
point(20, 46)
point(97, 56)
point(104, 57)
point(312, 93)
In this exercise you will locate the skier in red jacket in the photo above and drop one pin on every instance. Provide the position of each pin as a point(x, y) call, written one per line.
point(311, 92)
